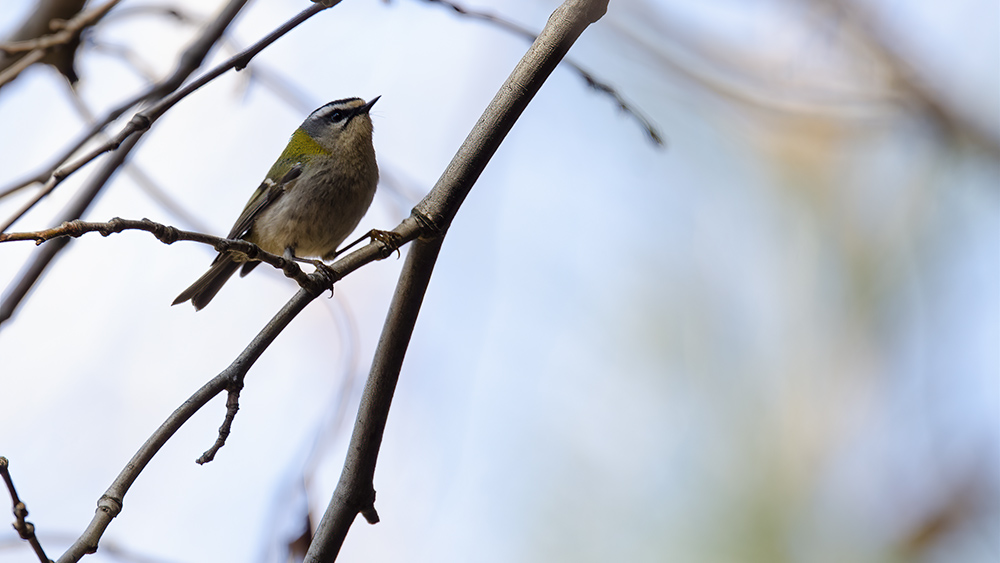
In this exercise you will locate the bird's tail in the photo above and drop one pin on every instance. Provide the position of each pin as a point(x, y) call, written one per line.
point(204, 289)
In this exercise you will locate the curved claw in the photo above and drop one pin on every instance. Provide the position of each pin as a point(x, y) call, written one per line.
point(329, 272)
point(388, 238)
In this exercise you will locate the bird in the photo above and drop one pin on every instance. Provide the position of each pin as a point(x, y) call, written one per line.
point(313, 197)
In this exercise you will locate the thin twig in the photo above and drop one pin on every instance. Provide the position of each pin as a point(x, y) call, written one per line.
point(603, 87)
point(232, 405)
point(163, 233)
point(110, 504)
point(25, 529)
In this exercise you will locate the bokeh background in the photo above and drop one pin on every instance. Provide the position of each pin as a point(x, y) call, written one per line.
point(775, 338)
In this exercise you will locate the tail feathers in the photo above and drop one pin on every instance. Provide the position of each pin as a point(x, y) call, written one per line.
point(248, 267)
point(204, 289)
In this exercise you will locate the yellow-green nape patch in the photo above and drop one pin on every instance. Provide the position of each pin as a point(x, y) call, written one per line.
point(301, 147)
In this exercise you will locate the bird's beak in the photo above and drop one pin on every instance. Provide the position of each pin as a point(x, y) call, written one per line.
point(365, 108)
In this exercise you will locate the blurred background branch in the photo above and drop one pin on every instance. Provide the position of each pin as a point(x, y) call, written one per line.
point(38, 24)
point(603, 87)
point(909, 81)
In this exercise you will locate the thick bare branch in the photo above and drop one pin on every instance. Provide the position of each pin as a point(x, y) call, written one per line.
point(355, 492)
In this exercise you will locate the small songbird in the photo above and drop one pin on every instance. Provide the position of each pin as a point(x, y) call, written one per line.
point(312, 198)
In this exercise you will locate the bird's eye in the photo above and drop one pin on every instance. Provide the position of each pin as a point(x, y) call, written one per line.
point(336, 116)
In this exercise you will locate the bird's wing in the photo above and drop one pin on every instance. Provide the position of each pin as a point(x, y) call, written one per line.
point(268, 192)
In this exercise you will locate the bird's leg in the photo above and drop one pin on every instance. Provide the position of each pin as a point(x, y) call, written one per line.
point(329, 272)
point(388, 238)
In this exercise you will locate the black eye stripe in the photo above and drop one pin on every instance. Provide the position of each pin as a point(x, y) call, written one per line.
point(336, 114)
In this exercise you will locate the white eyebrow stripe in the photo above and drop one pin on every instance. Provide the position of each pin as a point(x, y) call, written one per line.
point(339, 105)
